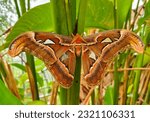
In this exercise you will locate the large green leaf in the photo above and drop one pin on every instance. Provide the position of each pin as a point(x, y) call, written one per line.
point(6, 97)
point(100, 14)
point(123, 7)
point(36, 19)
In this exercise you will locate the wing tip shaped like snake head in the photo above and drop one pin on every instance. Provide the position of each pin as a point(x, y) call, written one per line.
point(18, 44)
point(134, 40)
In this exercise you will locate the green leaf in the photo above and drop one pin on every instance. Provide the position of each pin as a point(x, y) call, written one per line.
point(39, 80)
point(82, 15)
point(36, 19)
point(19, 66)
point(60, 17)
point(123, 7)
point(39, 64)
point(100, 14)
point(108, 98)
point(6, 97)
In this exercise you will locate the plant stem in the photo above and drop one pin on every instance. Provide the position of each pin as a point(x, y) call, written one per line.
point(28, 3)
point(93, 98)
point(116, 84)
point(30, 62)
point(147, 98)
point(137, 79)
point(73, 92)
point(17, 8)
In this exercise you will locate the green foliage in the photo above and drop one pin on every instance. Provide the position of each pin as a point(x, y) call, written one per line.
point(108, 98)
point(6, 97)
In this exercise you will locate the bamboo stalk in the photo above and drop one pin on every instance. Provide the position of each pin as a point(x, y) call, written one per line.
point(145, 88)
point(87, 98)
point(53, 99)
point(23, 6)
point(125, 83)
point(137, 79)
point(17, 8)
point(116, 84)
point(73, 92)
point(147, 98)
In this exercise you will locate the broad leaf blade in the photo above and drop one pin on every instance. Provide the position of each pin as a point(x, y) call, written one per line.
point(6, 97)
point(36, 19)
point(123, 7)
point(100, 14)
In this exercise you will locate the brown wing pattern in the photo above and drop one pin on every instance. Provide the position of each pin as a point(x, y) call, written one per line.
point(106, 50)
point(32, 42)
point(59, 52)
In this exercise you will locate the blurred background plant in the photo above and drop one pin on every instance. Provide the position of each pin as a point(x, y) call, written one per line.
point(25, 79)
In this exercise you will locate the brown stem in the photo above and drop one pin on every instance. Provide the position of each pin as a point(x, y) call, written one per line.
point(87, 98)
point(53, 99)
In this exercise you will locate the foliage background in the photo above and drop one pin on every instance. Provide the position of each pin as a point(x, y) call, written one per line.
point(25, 79)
